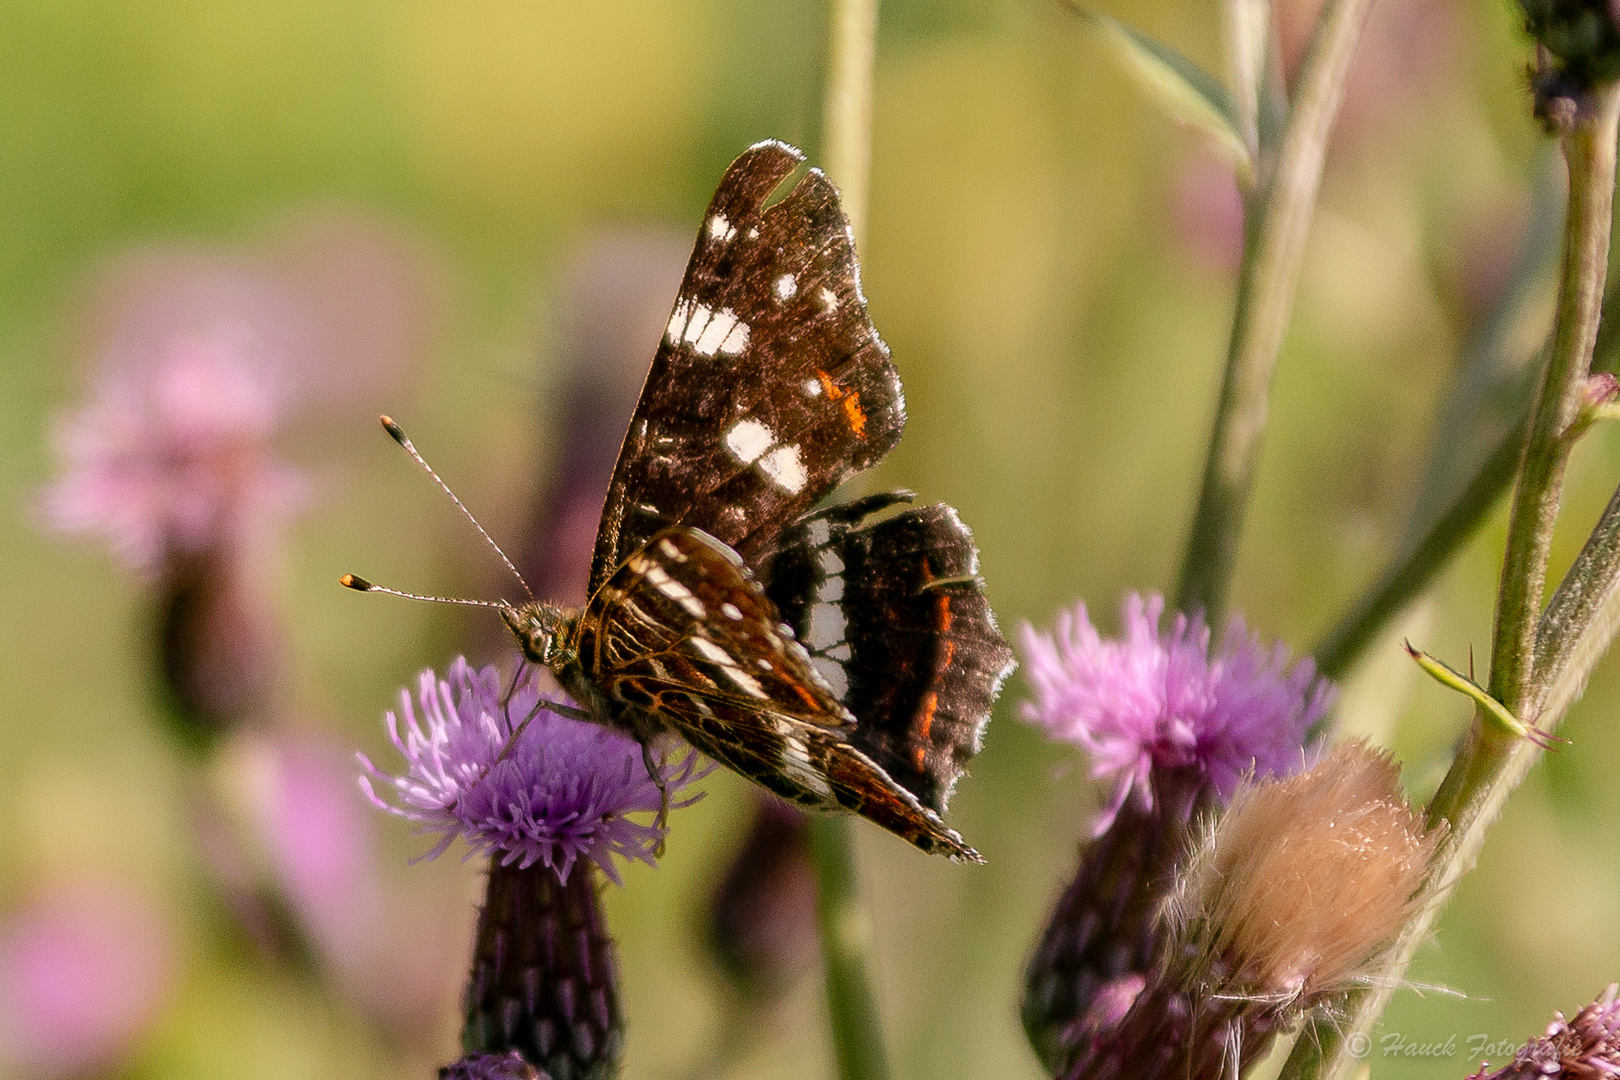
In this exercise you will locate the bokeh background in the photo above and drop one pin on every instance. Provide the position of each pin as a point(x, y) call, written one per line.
point(429, 202)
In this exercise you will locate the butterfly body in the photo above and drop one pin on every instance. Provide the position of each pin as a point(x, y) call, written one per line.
point(843, 660)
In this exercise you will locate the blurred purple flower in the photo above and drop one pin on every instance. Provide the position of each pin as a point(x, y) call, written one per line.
point(85, 970)
point(171, 457)
point(561, 791)
point(1157, 700)
point(316, 836)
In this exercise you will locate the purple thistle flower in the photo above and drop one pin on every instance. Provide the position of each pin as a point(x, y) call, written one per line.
point(171, 455)
point(1585, 1048)
point(561, 792)
point(481, 1066)
point(1155, 701)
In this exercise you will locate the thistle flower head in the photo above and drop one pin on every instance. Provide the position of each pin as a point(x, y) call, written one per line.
point(1304, 881)
point(171, 457)
point(1156, 700)
point(549, 789)
point(481, 1066)
point(1586, 1048)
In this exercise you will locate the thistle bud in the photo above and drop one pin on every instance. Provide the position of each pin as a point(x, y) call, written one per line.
point(477, 1066)
point(1578, 50)
point(762, 916)
point(545, 974)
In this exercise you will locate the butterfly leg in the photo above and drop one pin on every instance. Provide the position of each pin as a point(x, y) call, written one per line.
point(655, 773)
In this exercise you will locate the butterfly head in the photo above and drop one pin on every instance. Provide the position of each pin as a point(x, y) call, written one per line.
point(543, 630)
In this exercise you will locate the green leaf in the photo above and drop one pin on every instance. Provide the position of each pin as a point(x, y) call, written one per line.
point(1190, 93)
point(1494, 710)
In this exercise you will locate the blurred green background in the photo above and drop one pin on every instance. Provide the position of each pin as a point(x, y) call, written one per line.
point(1051, 261)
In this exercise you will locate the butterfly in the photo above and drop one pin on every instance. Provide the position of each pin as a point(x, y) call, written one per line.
point(845, 657)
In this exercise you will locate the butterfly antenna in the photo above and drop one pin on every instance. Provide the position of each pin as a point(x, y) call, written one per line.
point(360, 584)
point(397, 433)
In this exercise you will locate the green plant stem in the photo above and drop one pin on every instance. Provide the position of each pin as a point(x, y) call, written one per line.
point(1581, 619)
point(1490, 763)
point(1279, 221)
point(846, 151)
point(846, 942)
point(846, 927)
point(1590, 151)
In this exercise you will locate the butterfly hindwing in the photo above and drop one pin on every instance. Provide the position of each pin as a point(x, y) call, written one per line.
point(895, 620)
point(770, 386)
point(682, 638)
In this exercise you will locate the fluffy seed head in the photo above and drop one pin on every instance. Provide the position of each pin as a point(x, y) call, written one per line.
point(1304, 882)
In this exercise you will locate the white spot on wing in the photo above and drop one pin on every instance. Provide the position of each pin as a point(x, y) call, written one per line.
point(812, 387)
point(820, 530)
point(696, 321)
point(720, 228)
point(786, 286)
point(729, 610)
point(680, 594)
point(831, 564)
point(710, 650)
point(720, 328)
point(829, 299)
point(748, 439)
point(677, 322)
point(745, 681)
point(831, 589)
point(796, 762)
point(833, 673)
point(827, 624)
point(783, 466)
point(736, 341)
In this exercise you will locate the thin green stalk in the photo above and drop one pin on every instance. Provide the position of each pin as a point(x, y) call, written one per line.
point(1581, 619)
point(846, 939)
point(1279, 221)
point(846, 151)
point(846, 927)
point(1491, 764)
point(1590, 150)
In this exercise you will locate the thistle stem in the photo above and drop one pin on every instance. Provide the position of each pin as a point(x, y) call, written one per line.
point(846, 942)
point(1274, 248)
point(1491, 763)
point(845, 925)
point(846, 151)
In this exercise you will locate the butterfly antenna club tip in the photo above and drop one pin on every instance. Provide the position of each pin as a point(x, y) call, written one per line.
point(358, 584)
point(397, 433)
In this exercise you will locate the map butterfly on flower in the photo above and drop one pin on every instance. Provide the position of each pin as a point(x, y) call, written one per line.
point(844, 658)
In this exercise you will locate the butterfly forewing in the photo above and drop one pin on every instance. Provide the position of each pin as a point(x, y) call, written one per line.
point(895, 620)
point(770, 386)
point(682, 638)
